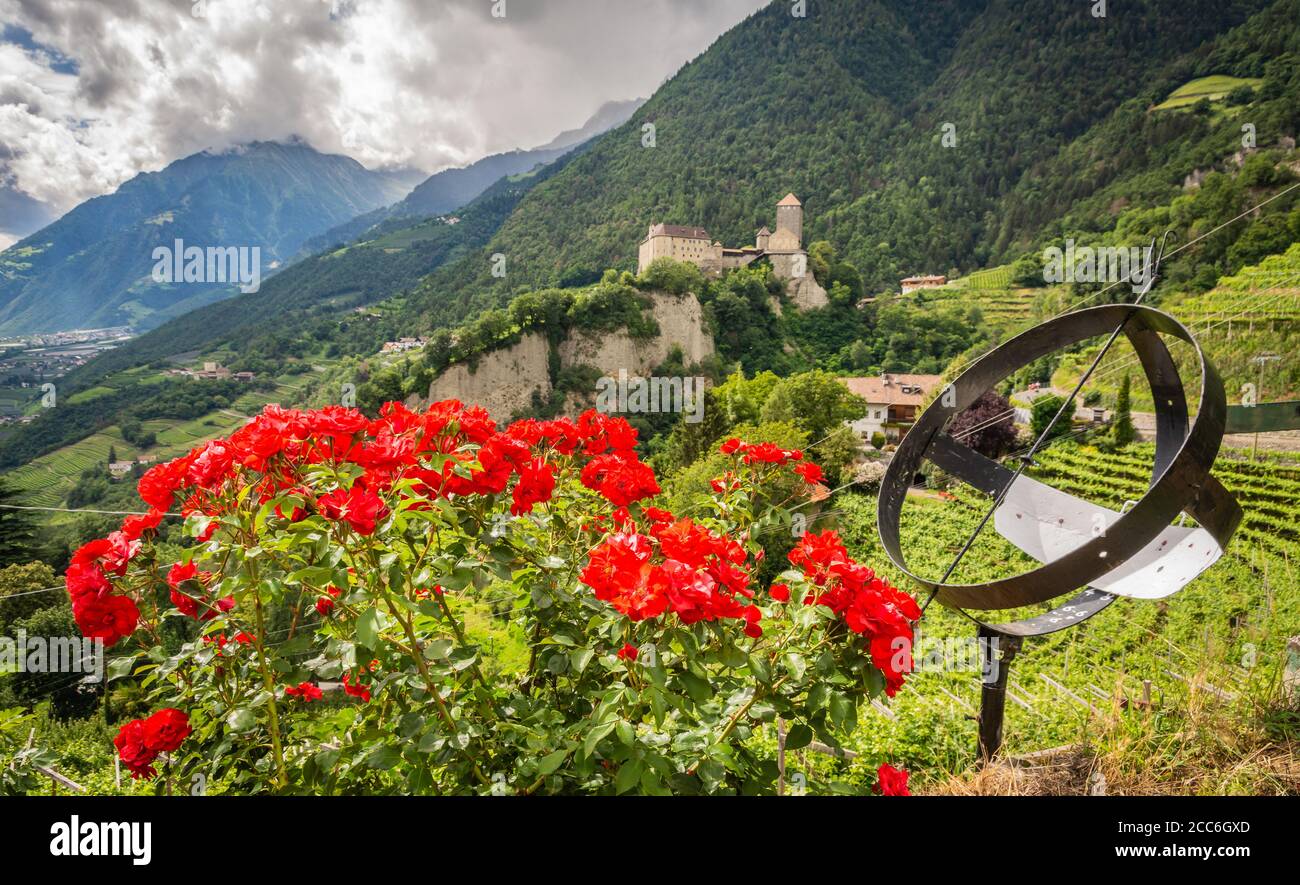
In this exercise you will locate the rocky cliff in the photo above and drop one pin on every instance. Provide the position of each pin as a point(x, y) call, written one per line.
point(509, 380)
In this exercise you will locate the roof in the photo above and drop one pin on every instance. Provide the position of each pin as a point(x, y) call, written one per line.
point(679, 230)
point(902, 389)
point(925, 279)
point(763, 230)
point(789, 200)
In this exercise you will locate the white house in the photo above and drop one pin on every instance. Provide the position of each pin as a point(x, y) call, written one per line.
point(893, 402)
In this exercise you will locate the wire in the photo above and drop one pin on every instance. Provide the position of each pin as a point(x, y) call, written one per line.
point(31, 592)
point(85, 510)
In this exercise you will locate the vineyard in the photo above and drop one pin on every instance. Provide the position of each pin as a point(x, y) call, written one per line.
point(1212, 654)
point(1255, 312)
point(45, 481)
point(1213, 88)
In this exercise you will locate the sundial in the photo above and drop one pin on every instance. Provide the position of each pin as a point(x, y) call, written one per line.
point(1095, 553)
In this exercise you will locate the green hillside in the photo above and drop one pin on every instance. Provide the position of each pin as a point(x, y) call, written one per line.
point(862, 143)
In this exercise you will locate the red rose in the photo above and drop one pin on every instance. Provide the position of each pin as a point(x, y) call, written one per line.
point(159, 484)
point(305, 690)
point(621, 478)
point(536, 485)
point(779, 592)
point(130, 745)
point(358, 506)
point(110, 618)
point(166, 730)
point(893, 781)
point(628, 652)
point(811, 473)
point(354, 687)
point(325, 604)
point(731, 446)
point(135, 526)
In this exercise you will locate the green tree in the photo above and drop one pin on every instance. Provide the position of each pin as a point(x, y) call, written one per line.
point(815, 402)
point(21, 591)
point(16, 532)
point(69, 696)
point(1044, 408)
point(1121, 426)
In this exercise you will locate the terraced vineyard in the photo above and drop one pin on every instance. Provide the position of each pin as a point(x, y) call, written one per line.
point(1004, 307)
point(989, 278)
point(1217, 644)
point(1254, 312)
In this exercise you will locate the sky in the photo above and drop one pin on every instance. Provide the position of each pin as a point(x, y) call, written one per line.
point(93, 92)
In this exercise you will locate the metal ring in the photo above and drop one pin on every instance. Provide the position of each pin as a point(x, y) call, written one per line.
point(1180, 479)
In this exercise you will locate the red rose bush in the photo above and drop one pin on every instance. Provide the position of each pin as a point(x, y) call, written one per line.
point(315, 636)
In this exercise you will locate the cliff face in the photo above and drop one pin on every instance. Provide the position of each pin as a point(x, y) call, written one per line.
point(681, 324)
point(504, 381)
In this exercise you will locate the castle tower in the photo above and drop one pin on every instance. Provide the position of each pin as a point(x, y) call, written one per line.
point(761, 238)
point(789, 216)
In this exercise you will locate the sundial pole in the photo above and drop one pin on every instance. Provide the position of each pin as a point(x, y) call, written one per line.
point(996, 652)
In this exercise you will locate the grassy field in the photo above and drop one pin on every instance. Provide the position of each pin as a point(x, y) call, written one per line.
point(47, 480)
point(1213, 88)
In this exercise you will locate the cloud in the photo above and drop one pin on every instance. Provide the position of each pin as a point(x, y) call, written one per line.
point(94, 93)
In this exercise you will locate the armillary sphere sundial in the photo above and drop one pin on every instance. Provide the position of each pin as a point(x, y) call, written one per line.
point(1100, 553)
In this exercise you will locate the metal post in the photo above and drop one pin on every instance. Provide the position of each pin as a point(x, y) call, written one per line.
point(997, 651)
point(780, 756)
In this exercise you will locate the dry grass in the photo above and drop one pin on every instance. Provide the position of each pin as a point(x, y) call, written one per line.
point(1201, 744)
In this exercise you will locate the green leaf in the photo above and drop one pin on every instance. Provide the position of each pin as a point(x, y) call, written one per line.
point(798, 737)
point(550, 763)
point(383, 757)
point(628, 775)
point(699, 689)
point(794, 665)
point(595, 736)
point(120, 667)
point(580, 658)
point(241, 719)
point(841, 709)
point(626, 733)
point(369, 626)
point(438, 649)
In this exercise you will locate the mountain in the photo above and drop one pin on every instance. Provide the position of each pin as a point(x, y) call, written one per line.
point(450, 189)
point(388, 253)
point(307, 298)
point(921, 137)
point(95, 266)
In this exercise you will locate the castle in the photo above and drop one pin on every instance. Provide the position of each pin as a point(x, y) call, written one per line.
point(783, 248)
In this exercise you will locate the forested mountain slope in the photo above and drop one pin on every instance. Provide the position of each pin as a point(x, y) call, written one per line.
point(93, 266)
point(849, 108)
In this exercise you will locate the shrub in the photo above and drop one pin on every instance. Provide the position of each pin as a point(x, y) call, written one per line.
point(653, 653)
